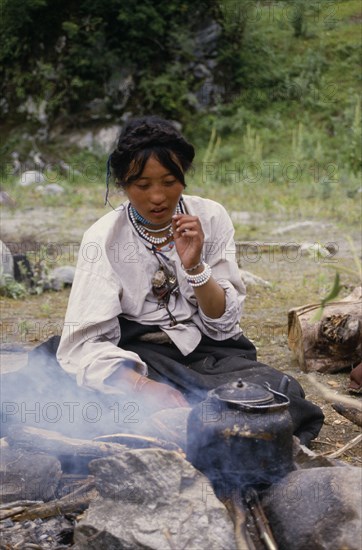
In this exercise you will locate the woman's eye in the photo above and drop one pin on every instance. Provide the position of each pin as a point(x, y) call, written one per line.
point(170, 182)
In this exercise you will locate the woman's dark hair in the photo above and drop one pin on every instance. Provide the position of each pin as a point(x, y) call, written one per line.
point(150, 136)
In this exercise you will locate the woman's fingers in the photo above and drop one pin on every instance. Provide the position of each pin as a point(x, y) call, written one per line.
point(187, 225)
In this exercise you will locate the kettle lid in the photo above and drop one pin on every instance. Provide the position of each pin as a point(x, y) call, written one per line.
point(243, 393)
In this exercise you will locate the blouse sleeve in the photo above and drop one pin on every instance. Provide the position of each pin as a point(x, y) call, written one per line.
point(220, 254)
point(88, 346)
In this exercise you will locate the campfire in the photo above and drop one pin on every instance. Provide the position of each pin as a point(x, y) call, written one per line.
point(139, 491)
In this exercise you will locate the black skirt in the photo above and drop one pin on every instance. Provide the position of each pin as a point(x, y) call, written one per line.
point(213, 363)
point(43, 395)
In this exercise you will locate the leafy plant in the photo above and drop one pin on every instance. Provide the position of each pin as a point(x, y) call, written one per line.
point(10, 288)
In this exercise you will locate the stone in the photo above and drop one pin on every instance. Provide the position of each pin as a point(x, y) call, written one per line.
point(201, 71)
point(206, 40)
point(35, 110)
point(119, 88)
point(61, 276)
point(249, 279)
point(29, 177)
point(316, 508)
point(315, 250)
point(83, 140)
point(50, 189)
point(106, 138)
point(154, 499)
point(28, 476)
point(6, 260)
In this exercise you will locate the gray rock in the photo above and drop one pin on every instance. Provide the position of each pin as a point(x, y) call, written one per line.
point(61, 276)
point(30, 177)
point(6, 260)
point(27, 475)
point(249, 279)
point(318, 508)
point(83, 140)
point(315, 250)
point(34, 110)
point(153, 499)
point(201, 71)
point(106, 138)
point(206, 39)
point(50, 189)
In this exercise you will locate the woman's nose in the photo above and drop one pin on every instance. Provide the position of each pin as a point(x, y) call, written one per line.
point(157, 197)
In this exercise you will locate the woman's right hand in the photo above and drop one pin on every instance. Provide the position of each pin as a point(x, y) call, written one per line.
point(158, 396)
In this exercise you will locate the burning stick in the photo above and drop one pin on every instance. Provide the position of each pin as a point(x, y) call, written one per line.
point(260, 519)
point(238, 515)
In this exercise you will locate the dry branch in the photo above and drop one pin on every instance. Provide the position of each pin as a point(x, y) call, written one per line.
point(355, 441)
point(75, 502)
point(332, 397)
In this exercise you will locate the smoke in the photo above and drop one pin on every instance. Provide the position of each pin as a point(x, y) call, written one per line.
point(43, 395)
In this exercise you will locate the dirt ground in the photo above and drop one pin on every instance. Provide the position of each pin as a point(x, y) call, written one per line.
point(295, 279)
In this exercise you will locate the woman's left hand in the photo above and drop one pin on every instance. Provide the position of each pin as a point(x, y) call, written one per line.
point(189, 239)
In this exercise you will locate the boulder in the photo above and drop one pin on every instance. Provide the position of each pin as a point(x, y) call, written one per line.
point(62, 276)
point(317, 508)
point(28, 476)
point(153, 499)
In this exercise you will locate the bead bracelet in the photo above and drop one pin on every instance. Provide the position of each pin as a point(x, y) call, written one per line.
point(194, 267)
point(201, 278)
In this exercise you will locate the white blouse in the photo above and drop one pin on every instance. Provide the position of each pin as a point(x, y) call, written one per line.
point(113, 277)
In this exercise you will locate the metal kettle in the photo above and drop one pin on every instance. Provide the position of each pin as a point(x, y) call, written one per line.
point(242, 435)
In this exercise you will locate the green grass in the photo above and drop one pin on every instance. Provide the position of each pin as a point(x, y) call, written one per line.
point(287, 145)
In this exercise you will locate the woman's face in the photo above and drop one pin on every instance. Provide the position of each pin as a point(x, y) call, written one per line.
point(155, 193)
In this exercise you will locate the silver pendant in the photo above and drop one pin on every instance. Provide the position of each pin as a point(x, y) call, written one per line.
point(159, 279)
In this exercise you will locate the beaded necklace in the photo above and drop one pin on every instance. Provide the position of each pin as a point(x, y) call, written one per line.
point(136, 218)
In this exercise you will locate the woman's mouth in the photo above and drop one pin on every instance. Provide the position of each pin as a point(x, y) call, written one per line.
point(158, 212)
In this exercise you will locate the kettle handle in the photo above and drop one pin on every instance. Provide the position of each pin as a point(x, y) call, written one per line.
point(283, 384)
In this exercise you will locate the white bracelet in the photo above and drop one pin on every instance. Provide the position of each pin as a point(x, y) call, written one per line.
point(191, 278)
point(194, 267)
point(201, 278)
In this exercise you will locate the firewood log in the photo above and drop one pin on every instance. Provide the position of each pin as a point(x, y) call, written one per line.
point(38, 439)
point(65, 505)
point(353, 414)
point(332, 344)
